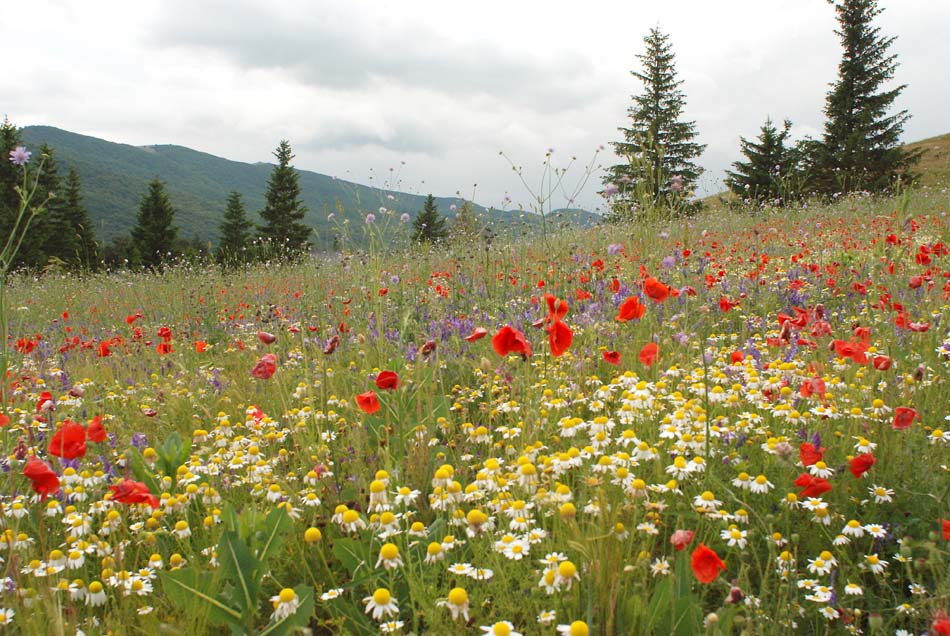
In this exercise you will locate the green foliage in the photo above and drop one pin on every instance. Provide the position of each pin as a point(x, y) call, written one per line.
point(231, 594)
point(429, 225)
point(770, 169)
point(154, 235)
point(283, 208)
point(659, 147)
point(235, 231)
point(860, 149)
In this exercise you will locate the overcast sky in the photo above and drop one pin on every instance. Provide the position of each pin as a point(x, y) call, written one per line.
point(430, 92)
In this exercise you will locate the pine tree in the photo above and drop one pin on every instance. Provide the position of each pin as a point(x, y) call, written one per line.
point(79, 222)
point(235, 233)
point(153, 236)
point(860, 147)
point(283, 209)
point(429, 225)
point(465, 227)
point(770, 173)
point(660, 148)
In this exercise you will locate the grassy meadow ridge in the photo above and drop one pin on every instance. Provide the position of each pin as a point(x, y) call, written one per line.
point(763, 450)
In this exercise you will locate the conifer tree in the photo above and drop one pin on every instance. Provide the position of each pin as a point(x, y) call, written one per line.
point(429, 225)
point(283, 209)
point(659, 147)
point(79, 222)
point(860, 147)
point(51, 238)
point(769, 172)
point(10, 176)
point(464, 226)
point(153, 236)
point(235, 232)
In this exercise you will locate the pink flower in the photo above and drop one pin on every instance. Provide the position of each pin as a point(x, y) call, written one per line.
point(681, 538)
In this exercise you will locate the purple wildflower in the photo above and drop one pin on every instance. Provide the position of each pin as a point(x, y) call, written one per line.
point(370, 218)
point(20, 156)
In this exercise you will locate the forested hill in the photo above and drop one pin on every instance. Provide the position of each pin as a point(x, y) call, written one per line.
point(115, 176)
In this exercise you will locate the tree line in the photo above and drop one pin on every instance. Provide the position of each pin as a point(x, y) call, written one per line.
point(859, 150)
point(64, 234)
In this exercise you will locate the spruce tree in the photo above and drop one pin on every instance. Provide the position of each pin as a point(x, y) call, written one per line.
point(153, 236)
point(283, 209)
point(768, 175)
point(79, 222)
point(659, 147)
point(52, 237)
point(235, 233)
point(10, 177)
point(860, 147)
point(429, 225)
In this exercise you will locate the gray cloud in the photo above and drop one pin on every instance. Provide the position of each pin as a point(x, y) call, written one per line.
point(338, 47)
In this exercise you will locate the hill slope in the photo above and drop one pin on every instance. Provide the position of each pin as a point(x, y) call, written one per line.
point(934, 166)
point(115, 176)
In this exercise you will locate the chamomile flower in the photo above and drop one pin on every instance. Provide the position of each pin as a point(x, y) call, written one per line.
point(577, 628)
point(501, 628)
point(881, 494)
point(875, 563)
point(285, 604)
point(457, 603)
point(381, 604)
point(389, 557)
point(330, 595)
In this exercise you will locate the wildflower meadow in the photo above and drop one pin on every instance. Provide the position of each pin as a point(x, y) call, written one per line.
point(733, 423)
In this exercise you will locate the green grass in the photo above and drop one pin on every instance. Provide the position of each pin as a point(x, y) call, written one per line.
point(465, 425)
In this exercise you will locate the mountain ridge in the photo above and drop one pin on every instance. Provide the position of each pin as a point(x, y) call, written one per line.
point(115, 176)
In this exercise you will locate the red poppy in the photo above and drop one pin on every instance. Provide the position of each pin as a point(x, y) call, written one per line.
point(657, 291)
point(45, 481)
point(165, 333)
point(103, 350)
point(477, 334)
point(201, 346)
point(725, 304)
point(69, 442)
point(736, 357)
point(387, 381)
point(164, 348)
point(649, 353)
point(631, 309)
point(809, 454)
point(812, 486)
point(680, 539)
point(265, 337)
point(132, 318)
point(941, 626)
point(133, 492)
point(45, 402)
point(706, 564)
point(861, 464)
point(427, 347)
point(904, 416)
point(612, 357)
point(510, 340)
point(331, 345)
point(265, 367)
point(945, 524)
point(560, 337)
point(4, 419)
point(811, 386)
point(857, 351)
point(881, 363)
point(96, 433)
point(368, 402)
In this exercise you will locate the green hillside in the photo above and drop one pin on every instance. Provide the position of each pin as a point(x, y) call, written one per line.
point(115, 176)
